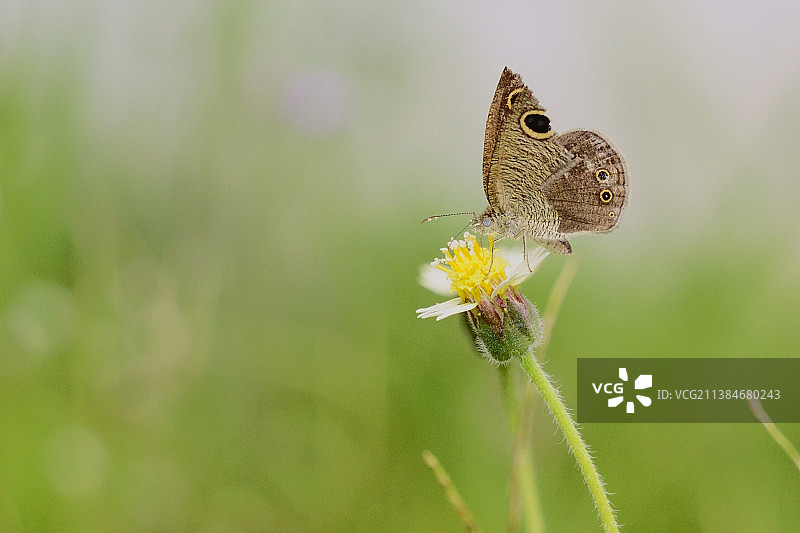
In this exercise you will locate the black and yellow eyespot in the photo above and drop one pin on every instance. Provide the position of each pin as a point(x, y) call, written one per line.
point(606, 196)
point(513, 96)
point(602, 175)
point(536, 124)
point(611, 214)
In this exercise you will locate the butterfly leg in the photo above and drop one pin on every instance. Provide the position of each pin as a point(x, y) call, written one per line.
point(491, 260)
point(491, 250)
point(525, 252)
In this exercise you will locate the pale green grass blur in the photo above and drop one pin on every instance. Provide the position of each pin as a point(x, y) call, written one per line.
point(209, 242)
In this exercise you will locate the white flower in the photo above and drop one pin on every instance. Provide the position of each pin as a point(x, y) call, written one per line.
point(472, 273)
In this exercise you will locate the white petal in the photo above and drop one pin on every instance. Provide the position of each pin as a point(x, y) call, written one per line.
point(521, 272)
point(463, 308)
point(435, 280)
point(512, 255)
point(445, 309)
point(434, 309)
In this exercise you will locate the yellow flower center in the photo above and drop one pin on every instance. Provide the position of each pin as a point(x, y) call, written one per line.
point(474, 271)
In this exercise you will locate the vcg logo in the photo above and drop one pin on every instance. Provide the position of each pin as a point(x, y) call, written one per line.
point(644, 381)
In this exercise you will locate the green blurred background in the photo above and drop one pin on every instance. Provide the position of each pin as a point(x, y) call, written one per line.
point(209, 245)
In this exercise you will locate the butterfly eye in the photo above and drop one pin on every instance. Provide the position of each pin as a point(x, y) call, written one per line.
point(486, 222)
point(605, 196)
point(602, 175)
point(536, 124)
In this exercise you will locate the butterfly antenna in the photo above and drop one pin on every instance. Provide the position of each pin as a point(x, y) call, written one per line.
point(434, 217)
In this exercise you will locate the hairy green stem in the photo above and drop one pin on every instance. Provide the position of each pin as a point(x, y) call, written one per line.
point(564, 420)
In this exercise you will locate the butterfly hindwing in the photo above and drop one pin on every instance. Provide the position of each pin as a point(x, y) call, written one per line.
point(590, 195)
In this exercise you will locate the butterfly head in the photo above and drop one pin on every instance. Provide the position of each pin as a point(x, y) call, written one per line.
point(489, 222)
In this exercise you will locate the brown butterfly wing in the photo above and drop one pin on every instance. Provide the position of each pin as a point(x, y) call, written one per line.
point(590, 194)
point(516, 163)
point(498, 111)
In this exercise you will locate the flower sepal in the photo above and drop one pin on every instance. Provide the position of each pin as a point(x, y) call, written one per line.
point(524, 315)
point(505, 328)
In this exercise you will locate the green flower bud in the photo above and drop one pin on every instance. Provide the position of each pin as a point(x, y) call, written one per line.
point(505, 327)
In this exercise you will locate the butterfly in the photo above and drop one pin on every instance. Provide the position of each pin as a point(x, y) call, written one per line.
point(540, 185)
